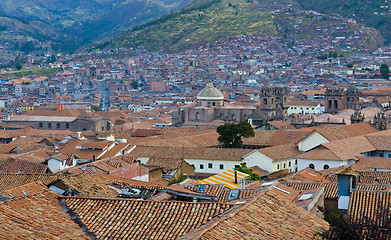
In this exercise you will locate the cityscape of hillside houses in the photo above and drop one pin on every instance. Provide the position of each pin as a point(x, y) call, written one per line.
point(128, 143)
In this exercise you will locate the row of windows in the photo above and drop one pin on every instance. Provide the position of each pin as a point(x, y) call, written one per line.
point(302, 108)
point(210, 166)
point(58, 125)
point(284, 165)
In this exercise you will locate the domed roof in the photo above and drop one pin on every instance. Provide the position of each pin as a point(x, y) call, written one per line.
point(210, 93)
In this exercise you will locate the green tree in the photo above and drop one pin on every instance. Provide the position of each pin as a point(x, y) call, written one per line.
point(134, 84)
point(349, 65)
point(119, 122)
point(18, 65)
point(231, 134)
point(385, 71)
point(243, 168)
point(95, 108)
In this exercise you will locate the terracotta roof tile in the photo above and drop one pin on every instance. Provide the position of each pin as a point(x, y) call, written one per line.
point(135, 219)
point(38, 216)
point(12, 165)
point(266, 216)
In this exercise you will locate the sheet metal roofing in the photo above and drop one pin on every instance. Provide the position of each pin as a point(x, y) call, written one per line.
point(25, 118)
point(227, 178)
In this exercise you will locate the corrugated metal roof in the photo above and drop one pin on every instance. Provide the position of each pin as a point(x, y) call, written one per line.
point(227, 178)
point(25, 118)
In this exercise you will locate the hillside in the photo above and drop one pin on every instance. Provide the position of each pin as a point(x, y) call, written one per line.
point(84, 21)
point(27, 35)
point(202, 21)
point(372, 13)
point(208, 21)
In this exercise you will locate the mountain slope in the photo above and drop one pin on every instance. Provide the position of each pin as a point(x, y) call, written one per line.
point(85, 21)
point(372, 13)
point(202, 21)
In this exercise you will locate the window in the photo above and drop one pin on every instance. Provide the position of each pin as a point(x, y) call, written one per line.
point(103, 128)
point(381, 154)
point(210, 165)
point(311, 166)
point(289, 164)
point(326, 166)
point(389, 155)
point(198, 116)
point(213, 104)
point(201, 166)
point(284, 165)
point(278, 166)
point(40, 125)
point(49, 125)
point(58, 125)
point(67, 125)
point(296, 161)
point(265, 101)
point(221, 166)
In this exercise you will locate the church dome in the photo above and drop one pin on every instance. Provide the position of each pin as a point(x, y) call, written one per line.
point(210, 93)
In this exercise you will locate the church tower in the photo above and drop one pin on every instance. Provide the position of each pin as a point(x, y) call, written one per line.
point(352, 98)
point(273, 102)
point(335, 99)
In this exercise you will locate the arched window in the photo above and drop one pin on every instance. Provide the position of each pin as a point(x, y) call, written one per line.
point(311, 166)
point(330, 105)
point(233, 117)
point(245, 117)
point(336, 104)
point(272, 100)
point(265, 101)
point(214, 104)
point(49, 125)
point(198, 116)
point(348, 99)
point(326, 166)
point(67, 125)
point(40, 125)
point(58, 125)
point(108, 126)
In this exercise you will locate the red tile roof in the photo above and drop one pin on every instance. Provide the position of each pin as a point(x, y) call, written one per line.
point(39, 216)
point(266, 216)
point(135, 219)
point(12, 165)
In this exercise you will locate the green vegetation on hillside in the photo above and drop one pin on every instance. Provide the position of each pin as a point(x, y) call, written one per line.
point(23, 73)
point(372, 13)
point(202, 21)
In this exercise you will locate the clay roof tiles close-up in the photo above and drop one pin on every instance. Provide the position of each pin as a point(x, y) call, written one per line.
point(134, 219)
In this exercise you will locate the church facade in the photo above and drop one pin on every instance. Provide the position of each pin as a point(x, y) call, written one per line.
point(210, 107)
point(338, 99)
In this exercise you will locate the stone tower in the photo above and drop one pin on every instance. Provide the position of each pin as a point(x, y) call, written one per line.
point(335, 99)
point(357, 117)
point(380, 121)
point(273, 102)
point(352, 98)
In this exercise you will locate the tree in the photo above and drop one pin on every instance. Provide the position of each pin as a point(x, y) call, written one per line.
point(385, 71)
point(231, 134)
point(134, 84)
point(243, 168)
point(119, 122)
point(95, 108)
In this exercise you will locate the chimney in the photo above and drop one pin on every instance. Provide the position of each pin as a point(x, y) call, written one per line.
point(236, 177)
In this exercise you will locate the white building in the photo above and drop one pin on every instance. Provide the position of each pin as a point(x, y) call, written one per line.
point(305, 107)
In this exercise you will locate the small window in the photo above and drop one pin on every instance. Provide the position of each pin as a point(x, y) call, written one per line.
point(58, 125)
point(49, 125)
point(201, 166)
point(289, 164)
point(389, 155)
point(326, 166)
point(278, 166)
point(311, 166)
point(40, 125)
point(284, 165)
point(210, 165)
point(213, 104)
point(381, 154)
point(103, 128)
point(296, 161)
point(67, 125)
point(221, 166)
